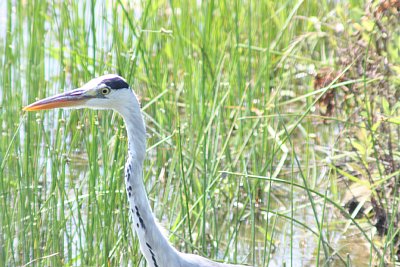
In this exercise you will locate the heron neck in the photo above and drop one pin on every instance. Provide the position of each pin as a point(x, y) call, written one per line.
point(154, 245)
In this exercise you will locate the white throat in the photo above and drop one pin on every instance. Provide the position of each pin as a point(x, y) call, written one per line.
point(153, 243)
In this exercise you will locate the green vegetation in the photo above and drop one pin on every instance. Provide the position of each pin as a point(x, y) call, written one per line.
point(273, 131)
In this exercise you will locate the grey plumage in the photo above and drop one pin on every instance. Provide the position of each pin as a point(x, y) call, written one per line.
point(112, 92)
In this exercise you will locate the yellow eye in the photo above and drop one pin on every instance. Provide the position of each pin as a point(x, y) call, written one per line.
point(105, 91)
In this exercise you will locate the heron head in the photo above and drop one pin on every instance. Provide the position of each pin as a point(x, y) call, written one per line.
point(105, 92)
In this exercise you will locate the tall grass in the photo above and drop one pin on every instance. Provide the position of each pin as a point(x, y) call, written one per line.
point(240, 166)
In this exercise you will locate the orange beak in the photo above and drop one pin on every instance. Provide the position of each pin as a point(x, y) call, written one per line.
point(74, 98)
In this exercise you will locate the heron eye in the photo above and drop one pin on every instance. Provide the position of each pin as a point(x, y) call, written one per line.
point(105, 91)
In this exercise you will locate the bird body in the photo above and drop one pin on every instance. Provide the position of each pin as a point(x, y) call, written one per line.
point(112, 92)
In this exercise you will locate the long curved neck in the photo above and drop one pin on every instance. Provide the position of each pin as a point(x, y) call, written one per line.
point(154, 246)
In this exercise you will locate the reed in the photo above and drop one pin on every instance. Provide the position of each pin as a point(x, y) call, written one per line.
point(240, 165)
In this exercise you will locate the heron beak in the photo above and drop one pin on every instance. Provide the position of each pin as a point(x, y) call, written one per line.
point(74, 98)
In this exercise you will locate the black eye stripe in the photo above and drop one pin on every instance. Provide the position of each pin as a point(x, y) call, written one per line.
point(116, 83)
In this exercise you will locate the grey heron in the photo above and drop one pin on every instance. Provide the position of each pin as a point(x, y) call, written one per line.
point(113, 92)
